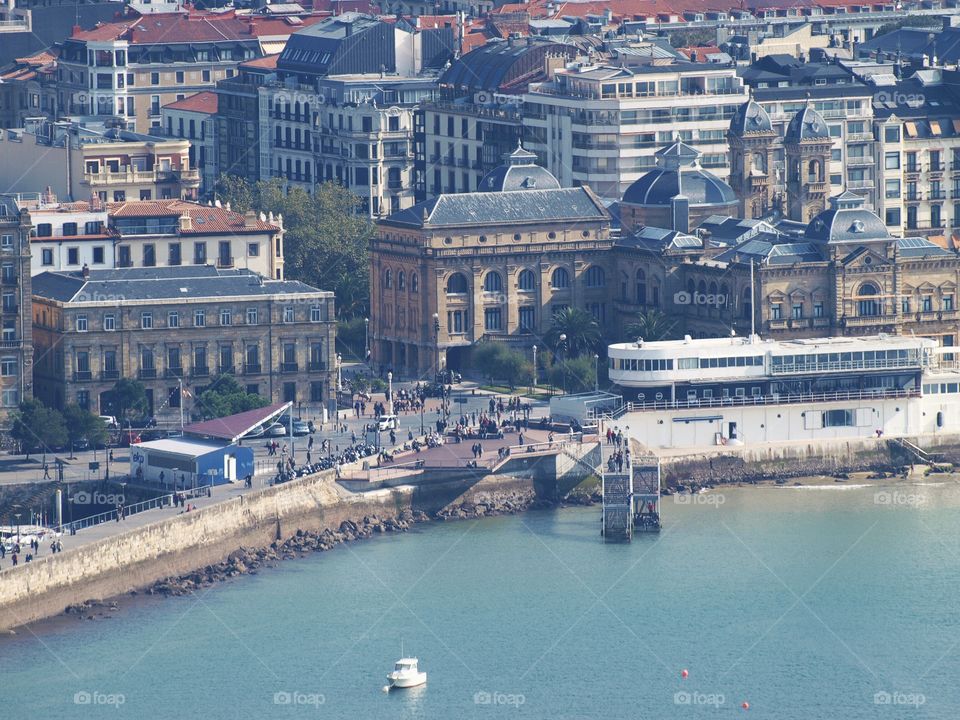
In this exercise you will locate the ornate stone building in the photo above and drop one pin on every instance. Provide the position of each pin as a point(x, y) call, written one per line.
point(487, 266)
point(807, 147)
point(167, 325)
point(752, 138)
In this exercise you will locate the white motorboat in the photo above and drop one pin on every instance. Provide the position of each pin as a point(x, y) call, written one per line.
point(406, 674)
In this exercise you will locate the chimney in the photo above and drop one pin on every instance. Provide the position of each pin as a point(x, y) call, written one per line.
point(249, 219)
point(186, 222)
point(86, 272)
point(75, 30)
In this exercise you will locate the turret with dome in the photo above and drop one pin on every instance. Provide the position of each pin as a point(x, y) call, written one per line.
point(678, 194)
point(752, 177)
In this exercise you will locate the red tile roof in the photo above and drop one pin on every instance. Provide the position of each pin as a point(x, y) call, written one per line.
point(194, 26)
point(206, 218)
point(267, 61)
point(233, 427)
point(202, 102)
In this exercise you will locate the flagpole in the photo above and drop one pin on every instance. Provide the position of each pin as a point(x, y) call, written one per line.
point(180, 382)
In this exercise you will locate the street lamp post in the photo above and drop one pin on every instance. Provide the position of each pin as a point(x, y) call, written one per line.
point(562, 347)
point(17, 516)
point(390, 393)
point(366, 340)
point(596, 372)
point(436, 339)
point(534, 368)
point(339, 373)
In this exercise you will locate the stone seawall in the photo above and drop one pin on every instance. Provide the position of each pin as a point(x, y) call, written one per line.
point(180, 544)
point(794, 460)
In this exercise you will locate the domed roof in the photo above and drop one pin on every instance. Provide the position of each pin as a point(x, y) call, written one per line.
point(807, 124)
point(847, 221)
point(750, 118)
point(518, 172)
point(678, 172)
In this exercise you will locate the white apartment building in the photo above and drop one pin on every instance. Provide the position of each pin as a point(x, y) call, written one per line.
point(601, 126)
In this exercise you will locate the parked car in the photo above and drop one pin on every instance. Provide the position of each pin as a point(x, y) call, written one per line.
point(258, 431)
point(300, 427)
point(109, 420)
point(276, 430)
point(449, 377)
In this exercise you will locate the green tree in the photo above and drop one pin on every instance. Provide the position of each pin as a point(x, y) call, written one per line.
point(127, 399)
point(84, 425)
point(326, 239)
point(581, 330)
point(575, 375)
point(36, 425)
point(226, 396)
point(498, 362)
point(651, 325)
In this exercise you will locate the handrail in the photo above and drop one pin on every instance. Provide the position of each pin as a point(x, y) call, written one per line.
point(770, 399)
point(128, 510)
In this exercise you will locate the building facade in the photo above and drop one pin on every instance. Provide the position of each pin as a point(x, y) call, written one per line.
point(601, 125)
point(77, 162)
point(16, 333)
point(194, 119)
point(180, 327)
point(488, 266)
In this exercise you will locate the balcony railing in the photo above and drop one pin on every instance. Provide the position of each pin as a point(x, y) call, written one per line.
point(174, 372)
point(82, 376)
point(148, 373)
point(11, 344)
point(839, 396)
point(225, 261)
point(109, 374)
point(225, 369)
point(317, 366)
point(252, 368)
point(199, 371)
point(288, 367)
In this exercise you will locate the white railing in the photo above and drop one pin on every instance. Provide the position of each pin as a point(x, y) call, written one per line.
point(842, 395)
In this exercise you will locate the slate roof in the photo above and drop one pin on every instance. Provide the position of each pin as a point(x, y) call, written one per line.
point(916, 42)
point(163, 283)
point(807, 124)
point(766, 249)
point(518, 172)
point(659, 240)
point(847, 221)
point(750, 118)
point(497, 63)
point(678, 174)
point(493, 208)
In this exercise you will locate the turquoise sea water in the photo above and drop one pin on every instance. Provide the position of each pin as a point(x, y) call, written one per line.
point(806, 603)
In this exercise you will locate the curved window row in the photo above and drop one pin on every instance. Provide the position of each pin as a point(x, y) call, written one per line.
point(401, 281)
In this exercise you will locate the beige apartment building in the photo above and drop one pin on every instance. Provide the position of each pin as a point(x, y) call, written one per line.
point(77, 162)
point(168, 327)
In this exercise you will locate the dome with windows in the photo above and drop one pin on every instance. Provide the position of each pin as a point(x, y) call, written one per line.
point(847, 221)
point(678, 172)
point(519, 171)
point(807, 124)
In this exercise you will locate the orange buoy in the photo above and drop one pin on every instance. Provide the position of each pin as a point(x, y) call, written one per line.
point(684, 673)
point(745, 705)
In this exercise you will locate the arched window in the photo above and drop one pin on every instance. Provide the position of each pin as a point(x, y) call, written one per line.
point(527, 281)
point(713, 288)
point(691, 287)
point(702, 287)
point(596, 277)
point(457, 284)
point(641, 287)
point(387, 278)
point(401, 281)
point(624, 283)
point(868, 301)
point(493, 282)
point(561, 279)
point(414, 283)
point(813, 171)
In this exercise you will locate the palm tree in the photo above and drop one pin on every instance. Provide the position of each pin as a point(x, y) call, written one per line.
point(651, 325)
point(582, 331)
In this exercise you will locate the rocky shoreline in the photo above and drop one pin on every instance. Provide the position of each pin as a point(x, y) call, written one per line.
point(247, 561)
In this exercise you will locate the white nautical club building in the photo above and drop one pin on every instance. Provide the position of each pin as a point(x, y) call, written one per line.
point(736, 390)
